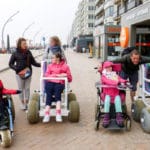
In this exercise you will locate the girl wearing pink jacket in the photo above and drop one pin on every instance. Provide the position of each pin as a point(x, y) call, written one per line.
point(111, 94)
point(58, 68)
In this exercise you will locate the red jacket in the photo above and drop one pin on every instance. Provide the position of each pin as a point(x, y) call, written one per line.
point(112, 92)
point(4, 91)
point(56, 69)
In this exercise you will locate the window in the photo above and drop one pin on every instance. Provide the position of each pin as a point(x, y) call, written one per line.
point(90, 25)
point(91, 8)
point(91, 0)
point(90, 16)
point(109, 11)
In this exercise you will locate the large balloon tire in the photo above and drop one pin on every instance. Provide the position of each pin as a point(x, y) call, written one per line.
point(33, 110)
point(145, 119)
point(5, 138)
point(137, 107)
point(74, 111)
point(35, 97)
point(71, 97)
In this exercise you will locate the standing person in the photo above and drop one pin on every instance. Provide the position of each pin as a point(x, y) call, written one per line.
point(130, 66)
point(58, 68)
point(21, 62)
point(53, 48)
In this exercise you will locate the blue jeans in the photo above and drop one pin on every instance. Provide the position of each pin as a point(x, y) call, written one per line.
point(53, 89)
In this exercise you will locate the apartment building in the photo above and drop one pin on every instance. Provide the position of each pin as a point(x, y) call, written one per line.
point(135, 14)
point(111, 16)
point(107, 31)
point(83, 23)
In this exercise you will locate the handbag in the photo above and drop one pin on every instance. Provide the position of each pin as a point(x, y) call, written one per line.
point(25, 73)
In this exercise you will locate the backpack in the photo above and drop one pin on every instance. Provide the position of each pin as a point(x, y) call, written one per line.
point(127, 51)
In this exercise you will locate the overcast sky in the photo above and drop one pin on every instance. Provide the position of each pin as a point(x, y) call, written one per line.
point(52, 17)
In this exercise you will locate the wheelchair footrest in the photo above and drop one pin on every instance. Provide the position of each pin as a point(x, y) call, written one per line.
point(3, 128)
point(113, 125)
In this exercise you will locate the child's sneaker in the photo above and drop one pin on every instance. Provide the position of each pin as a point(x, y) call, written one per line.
point(119, 119)
point(46, 119)
point(106, 120)
point(58, 118)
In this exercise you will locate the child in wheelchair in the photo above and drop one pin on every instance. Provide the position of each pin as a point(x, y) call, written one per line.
point(4, 91)
point(111, 94)
point(54, 88)
point(7, 115)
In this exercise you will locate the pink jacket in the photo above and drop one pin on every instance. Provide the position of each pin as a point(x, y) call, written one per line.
point(4, 91)
point(112, 92)
point(55, 69)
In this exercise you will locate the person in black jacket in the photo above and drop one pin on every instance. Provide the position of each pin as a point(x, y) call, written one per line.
point(130, 66)
point(21, 62)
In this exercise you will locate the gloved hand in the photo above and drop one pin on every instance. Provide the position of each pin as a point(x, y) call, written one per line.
point(18, 92)
point(122, 85)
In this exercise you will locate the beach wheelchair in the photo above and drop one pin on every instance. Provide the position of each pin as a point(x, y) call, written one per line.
point(7, 121)
point(99, 107)
point(141, 105)
point(69, 105)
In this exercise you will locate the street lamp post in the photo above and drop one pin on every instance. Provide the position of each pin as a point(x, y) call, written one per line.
point(27, 28)
point(8, 20)
point(35, 35)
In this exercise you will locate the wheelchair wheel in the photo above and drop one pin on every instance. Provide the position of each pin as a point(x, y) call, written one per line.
point(97, 125)
point(137, 107)
point(96, 111)
point(13, 109)
point(128, 124)
point(74, 113)
point(5, 138)
point(35, 97)
point(33, 110)
point(124, 108)
point(71, 97)
point(145, 119)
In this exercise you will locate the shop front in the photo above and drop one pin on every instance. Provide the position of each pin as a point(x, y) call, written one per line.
point(138, 22)
point(107, 42)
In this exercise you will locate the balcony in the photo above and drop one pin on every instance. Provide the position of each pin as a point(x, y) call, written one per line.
point(96, 2)
point(99, 21)
point(108, 4)
point(131, 5)
point(117, 1)
point(116, 16)
point(122, 10)
point(99, 9)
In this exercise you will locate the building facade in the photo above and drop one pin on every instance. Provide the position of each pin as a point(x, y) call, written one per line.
point(107, 30)
point(111, 16)
point(83, 23)
point(137, 19)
